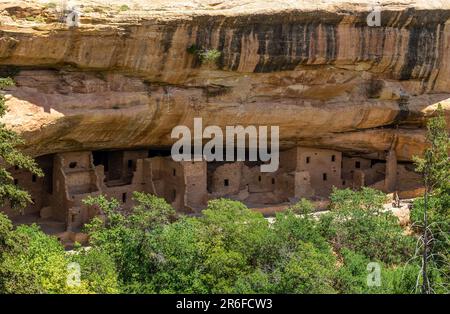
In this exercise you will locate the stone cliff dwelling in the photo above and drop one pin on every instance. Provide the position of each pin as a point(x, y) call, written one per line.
point(187, 186)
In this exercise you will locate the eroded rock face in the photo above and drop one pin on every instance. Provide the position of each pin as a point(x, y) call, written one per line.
point(125, 79)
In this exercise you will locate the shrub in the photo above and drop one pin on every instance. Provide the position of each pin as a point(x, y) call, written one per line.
point(358, 222)
point(97, 269)
point(309, 270)
point(210, 56)
point(439, 225)
point(352, 276)
point(6, 82)
point(122, 235)
point(32, 262)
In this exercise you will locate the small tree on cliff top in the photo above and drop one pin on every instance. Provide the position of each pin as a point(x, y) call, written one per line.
point(11, 156)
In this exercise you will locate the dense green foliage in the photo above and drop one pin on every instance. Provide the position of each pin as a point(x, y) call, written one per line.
point(33, 262)
point(435, 167)
point(11, 156)
point(228, 249)
point(358, 222)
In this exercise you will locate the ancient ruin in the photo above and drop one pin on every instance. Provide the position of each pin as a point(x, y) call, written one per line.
point(304, 173)
point(96, 102)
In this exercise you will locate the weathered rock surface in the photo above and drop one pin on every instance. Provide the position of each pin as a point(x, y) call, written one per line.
point(124, 79)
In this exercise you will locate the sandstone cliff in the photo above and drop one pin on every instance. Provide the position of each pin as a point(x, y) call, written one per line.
point(126, 76)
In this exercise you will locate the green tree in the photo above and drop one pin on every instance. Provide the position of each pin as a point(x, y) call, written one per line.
point(97, 270)
point(435, 169)
point(30, 261)
point(434, 165)
point(122, 234)
point(11, 156)
point(33, 262)
point(232, 249)
point(308, 270)
point(359, 223)
point(352, 276)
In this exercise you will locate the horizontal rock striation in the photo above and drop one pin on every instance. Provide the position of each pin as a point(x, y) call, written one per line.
point(125, 79)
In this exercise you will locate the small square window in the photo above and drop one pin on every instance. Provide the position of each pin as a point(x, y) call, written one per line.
point(324, 177)
point(72, 165)
point(16, 181)
point(226, 182)
point(273, 180)
point(333, 158)
point(357, 164)
point(130, 164)
point(33, 178)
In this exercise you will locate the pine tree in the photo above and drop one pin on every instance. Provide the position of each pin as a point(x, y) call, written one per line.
point(11, 156)
point(435, 169)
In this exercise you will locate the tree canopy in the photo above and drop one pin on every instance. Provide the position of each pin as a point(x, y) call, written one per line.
point(11, 156)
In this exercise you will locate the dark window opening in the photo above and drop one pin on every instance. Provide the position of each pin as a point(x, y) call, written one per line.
point(273, 180)
point(333, 158)
point(259, 178)
point(16, 167)
point(16, 181)
point(130, 164)
point(73, 164)
point(174, 172)
point(161, 152)
point(101, 158)
point(33, 178)
point(226, 182)
point(357, 164)
point(343, 182)
point(308, 159)
point(124, 197)
point(324, 177)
